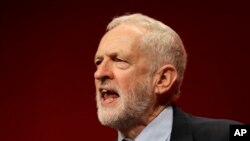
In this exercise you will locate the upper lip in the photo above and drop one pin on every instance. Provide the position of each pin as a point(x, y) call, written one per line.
point(104, 90)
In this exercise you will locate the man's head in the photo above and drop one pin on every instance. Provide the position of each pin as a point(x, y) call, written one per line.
point(140, 66)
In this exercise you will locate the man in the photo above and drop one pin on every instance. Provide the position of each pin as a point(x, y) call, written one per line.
point(140, 67)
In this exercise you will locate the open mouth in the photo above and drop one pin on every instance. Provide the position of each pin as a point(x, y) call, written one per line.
point(108, 96)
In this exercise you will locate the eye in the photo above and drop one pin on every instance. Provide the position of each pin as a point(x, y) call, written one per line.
point(118, 60)
point(120, 63)
point(98, 62)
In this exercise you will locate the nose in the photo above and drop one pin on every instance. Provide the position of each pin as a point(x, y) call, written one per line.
point(103, 72)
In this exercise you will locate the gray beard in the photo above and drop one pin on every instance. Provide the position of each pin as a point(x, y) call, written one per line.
point(133, 109)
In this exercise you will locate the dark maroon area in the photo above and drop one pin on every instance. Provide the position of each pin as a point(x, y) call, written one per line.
point(46, 63)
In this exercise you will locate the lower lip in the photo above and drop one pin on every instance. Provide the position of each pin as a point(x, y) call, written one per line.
point(108, 101)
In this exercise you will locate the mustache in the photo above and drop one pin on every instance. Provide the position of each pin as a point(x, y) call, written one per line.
point(108, 86)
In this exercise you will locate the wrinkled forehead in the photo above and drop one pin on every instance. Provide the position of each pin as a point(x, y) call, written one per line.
point(122, 38)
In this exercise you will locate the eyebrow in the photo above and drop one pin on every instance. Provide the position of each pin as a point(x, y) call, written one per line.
point(111, 55)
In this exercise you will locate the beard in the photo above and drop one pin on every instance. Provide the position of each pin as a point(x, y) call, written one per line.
point(132, 107)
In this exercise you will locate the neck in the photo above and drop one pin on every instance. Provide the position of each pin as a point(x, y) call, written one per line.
point(134, 131)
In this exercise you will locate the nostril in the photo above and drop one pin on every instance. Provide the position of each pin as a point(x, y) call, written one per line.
point(103, 81)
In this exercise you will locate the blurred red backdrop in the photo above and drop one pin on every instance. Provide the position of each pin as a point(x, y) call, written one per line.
point(46, 71)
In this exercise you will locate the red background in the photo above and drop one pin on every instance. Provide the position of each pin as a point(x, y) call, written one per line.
point(46, 63)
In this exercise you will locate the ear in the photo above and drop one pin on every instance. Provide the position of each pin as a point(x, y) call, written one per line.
point(165, 78)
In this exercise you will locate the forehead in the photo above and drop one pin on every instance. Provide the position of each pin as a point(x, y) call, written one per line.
point(120, 39)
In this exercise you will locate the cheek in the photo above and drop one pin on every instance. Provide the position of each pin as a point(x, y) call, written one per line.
point(125, 82)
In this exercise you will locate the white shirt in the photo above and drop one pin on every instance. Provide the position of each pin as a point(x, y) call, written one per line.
point(159, 129)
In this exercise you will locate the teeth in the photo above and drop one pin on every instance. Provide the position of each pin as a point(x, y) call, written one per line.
point(104, 91)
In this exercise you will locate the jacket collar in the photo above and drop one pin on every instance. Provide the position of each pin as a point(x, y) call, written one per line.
point(181, 130)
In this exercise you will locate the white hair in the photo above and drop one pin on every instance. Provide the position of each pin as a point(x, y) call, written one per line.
point(162, 44)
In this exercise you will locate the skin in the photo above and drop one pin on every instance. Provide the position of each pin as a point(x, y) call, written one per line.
point(119, 61)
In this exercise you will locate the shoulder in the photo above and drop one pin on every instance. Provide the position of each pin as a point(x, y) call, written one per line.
point(201, 128)
point(213, 129)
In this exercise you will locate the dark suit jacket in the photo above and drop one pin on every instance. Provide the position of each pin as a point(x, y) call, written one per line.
point(187, 127)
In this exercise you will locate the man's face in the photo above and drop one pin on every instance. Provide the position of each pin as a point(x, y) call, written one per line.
point(122, 79)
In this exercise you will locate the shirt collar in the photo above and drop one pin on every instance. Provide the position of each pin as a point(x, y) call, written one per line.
point(158, 129)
